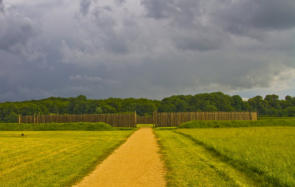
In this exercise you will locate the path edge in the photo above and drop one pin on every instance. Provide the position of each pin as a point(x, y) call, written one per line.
point(77, 179)
point(163, 159)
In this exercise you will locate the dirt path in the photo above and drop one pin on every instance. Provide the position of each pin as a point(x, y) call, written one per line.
point(136, 163)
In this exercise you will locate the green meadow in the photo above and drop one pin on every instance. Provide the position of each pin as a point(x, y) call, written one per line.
point(248, 156)
point(197, 153)
point(53, 158)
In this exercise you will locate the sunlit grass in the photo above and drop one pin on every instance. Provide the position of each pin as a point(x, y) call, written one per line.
point(50, 158)
point(265, 151)
point(188, 164)
point(144, 125)
point(239, 123)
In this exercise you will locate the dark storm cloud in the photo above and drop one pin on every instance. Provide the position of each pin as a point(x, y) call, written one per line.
point(157, 9)
point(182, 13)
point(112, 40)
point(238, 17)
point(203, 39)
point(84, 6)
point(15, 30)
point(241, 16)
point(120, 1)
point(185, 20)
point(1, 6)
point(197, 44)
point(144, 48)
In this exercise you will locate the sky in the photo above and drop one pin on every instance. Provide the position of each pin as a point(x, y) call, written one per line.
point(146, 48)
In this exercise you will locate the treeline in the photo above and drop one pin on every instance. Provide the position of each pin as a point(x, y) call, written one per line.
point(270, 105)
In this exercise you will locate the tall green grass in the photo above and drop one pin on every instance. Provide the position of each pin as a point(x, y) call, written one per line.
point(55, 126)
point(236, 123)
point(265, 152)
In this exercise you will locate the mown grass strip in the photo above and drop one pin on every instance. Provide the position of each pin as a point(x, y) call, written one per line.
point(189, 164)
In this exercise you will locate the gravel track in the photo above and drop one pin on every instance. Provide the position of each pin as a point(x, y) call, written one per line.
point(135, 163)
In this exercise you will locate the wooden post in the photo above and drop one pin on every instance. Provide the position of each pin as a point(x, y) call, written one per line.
point(135, 121)
point(19, 119)
point(253, 116)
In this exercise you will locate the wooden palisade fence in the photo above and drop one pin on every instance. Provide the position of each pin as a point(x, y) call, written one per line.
point(172, 119)
point(116, 120)
point(161, 119)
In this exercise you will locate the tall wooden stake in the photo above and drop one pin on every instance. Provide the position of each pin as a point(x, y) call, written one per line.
point(135, 121)
point(19, 119)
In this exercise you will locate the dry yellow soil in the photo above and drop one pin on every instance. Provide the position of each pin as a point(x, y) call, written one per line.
point(135, 163)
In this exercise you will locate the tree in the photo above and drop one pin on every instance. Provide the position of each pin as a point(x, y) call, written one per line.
point(271, 105)
point(272, 101)
point(257, 104)
point(210, 108)
point(78, 105)
point(11, 118)
point(290, 111)
point(98, 110)
point(237, 103)
point(145, 108)
point(222, 101)
point(108, 109)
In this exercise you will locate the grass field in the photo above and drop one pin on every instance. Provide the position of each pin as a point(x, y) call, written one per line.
point(195, 154)
point(189, 164)
point(259, 156)
point(77, 126)
point(58, 158)
point(263, 122)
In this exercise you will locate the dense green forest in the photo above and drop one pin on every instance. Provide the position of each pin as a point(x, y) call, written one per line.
point(270, 105)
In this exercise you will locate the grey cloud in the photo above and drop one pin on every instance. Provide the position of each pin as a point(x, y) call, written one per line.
point(1, 6)
point(15, 30)
point(157, 9)
point(240, 17)
point(182, 13)
point(186, 24)
point(112, 41)
point(202, 44)
point(202, 40)
point(85, 78)
point(84, 6)
point(116, 44)
point(163, 75)
point(153, 49)
point(120, 1)
point(243, 17)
